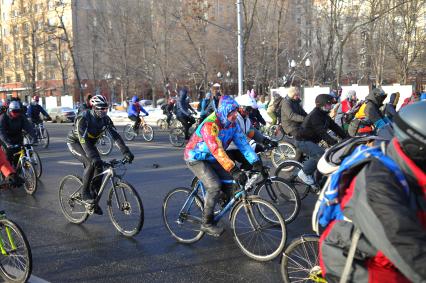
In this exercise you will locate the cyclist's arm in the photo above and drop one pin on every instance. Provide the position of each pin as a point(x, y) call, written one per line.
point(287, 111)
point(29, 128)
point(336, 129)
point(382, 212)
point(43, 112)
point(241, 142)
point(89, 148)
point(144, 111)
point(115, 136)
point(5, 166)
point(210, 134)
point(29, 111)
point(320, 129)
point(3, 130)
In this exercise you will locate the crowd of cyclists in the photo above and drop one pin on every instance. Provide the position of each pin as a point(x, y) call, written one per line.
point(226, 142)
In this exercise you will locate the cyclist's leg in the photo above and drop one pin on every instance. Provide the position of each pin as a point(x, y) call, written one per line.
point(212, 183)
point(226, 179)
point(134, 119)
point(186, 125)
point(314, 152)
point(169, 118)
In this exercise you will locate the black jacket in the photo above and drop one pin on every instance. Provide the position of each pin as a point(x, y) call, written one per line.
point(256, 116)
point(88, 129)
point(11, 129)
point(391, 221)
point(315, 126)
point(292, 115)
point(372, 109)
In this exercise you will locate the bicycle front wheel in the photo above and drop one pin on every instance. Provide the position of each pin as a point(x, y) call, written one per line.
point(276, 132)
point(44, 137)
point(282, 196)
point(147, 133)
point(29, 175)
point(36, 161)
point(104, 145)
point(300, 262)
point(288, 171)
point(73, 208)
point(256, 235)
point(177, 137)
point(182, 215)
point(125, 209)
point(283, 152)
point(15, 258)
point(129, 133)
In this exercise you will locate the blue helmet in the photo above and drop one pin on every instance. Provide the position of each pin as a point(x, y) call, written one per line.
point(135, 99)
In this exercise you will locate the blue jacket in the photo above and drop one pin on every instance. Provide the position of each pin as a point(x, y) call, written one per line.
point(34, 110)
point(182, 104)
point(135, 108)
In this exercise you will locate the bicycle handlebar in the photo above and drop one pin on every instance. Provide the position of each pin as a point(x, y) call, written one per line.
point(115, 162)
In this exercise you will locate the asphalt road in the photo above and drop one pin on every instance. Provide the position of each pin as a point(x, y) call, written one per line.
point(95, 252)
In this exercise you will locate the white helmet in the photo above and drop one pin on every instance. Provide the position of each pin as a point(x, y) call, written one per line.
point(98, 101)
point(246, 101)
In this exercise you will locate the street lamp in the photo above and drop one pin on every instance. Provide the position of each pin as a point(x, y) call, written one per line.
point(107, 77)
point(219, 75)
point(307, 65)
point(293, 63)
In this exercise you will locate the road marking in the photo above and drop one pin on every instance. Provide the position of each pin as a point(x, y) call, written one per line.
point(35, 279)
point(69, 162)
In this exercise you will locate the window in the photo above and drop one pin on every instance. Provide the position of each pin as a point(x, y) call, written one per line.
point(50, 4)
point(109, 24)
point(95, 21)
point(299, 20)
point(7, 63)
point(40, 25)
point(39, 76)
point(26, 27)
point(6, 48)
point(15, 30)
point(26, 61)
point(8, 79)
point(4, 31)
point(40, 58)
point(16, 45)
point(18, 78)
point(65, 56)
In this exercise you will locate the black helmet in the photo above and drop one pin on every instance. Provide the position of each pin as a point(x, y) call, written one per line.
point(379, 95)
point(410, 131)
point(323, 99)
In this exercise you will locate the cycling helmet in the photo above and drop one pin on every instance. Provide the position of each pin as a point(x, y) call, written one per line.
point(36, 98)
point(135, 99)
point(14, 109)
point(325, 102)
point(379, 95)
point(99, 105)
point(246, 103)
point(410, 131)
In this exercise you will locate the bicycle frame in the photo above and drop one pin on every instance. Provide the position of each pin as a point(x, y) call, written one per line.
point(9, 237)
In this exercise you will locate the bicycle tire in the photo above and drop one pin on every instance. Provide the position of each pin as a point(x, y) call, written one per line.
point(192, 217)
point(129, 133)
point(278, 225)
point(276, 132)
point(302, 261)
point(72, 199)
point(104, 145)
point(147, 133)
point(126, 208)
point(36, 161)
point(21, 253)
point(177, 137)
point(45, 139)
point(284, 151)
point(284, 197)
point(28, 173)
point(162, 124)
point(290, 175)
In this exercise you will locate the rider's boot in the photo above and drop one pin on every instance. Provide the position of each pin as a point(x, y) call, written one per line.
point(87, 197)
point(209, 227)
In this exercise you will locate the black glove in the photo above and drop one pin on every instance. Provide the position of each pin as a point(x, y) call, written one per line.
point(269, 142)
point(258, 166)
point(14, 180)
point(238, 175)
point(128, 156)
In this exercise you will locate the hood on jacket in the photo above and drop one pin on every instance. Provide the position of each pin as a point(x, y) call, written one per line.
point(183, 94)
point(377, 96)
point(135, 99)
point(226, 105)
point(394, 98)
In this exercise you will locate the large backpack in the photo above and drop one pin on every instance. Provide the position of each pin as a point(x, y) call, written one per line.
point(353, 157)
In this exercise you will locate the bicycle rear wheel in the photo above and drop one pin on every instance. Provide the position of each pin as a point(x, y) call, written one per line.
point(256, 235)
point(15, 258)
point(182, 215)
point(147, 133)
point(36, 161)
point(300, 262)
point(276, 132)
point(129, 133)
point(283, 152)
point(288, 171)
point(104, 145)
point(125, 209)
point(177, 137)
point(162, 124)
point(44, 137)
point(73, 208)
point(282, 196)
point(28, 173)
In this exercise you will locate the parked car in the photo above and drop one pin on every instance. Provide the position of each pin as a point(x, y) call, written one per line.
point(61, 114)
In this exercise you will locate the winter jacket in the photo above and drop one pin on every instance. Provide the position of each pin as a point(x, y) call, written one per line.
point(315, 126)
point(390, 108)
point(372, 109)
point(11, 129)
point(214, 135)
point(88, 129)
point(34, 110)
point(182, 105)
point(207, 107)
point(392, 247)
point(135, 109)
point(292, 115)
point(248, 129)
point(257, 117)
point(344, 107)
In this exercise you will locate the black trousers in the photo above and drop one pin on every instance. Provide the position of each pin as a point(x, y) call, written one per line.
point(187, 122)
point(92, 167)
point(137, 121)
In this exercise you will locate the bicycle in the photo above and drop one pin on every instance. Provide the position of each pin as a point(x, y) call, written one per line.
point(35, 159)
point(147, 131)
point(104, 144)
point(285, 150)
point(16, 257)
point(162, 123)
point(248, 215)
point(122, 201)
point(300, 261)
point(42, 135)
point(177, 133)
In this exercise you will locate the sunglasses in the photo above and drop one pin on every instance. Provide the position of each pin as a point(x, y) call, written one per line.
point(102, 108)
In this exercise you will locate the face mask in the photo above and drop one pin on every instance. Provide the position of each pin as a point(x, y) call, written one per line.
point(14, 114)
point(327, 108)
point(101, 112)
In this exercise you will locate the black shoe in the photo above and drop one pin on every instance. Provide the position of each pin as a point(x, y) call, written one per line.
point(212, 229)
point(87, 197)
point(98, 210)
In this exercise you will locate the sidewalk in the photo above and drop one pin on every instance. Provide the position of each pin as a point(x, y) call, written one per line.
point(120, 117)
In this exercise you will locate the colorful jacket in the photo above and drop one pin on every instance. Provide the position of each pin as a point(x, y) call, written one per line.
point(214, 135)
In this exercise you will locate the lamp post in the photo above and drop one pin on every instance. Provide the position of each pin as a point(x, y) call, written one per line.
point(307, 65)
point(108, 77)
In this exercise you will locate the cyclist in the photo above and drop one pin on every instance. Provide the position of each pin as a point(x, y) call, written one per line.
point(206, 157)
point(168, 110)
point(392, 220)
point(134, 110)
point(207, 106)
point(183, 109)
point(344, 107)
point(314, 129)
point(85, 105)
point(370, 114)
point(12, 126)
point(292, 113)
point(81, 141)
point(34, 110)
point(274, 108)
point(390, 107)
point(255, 115)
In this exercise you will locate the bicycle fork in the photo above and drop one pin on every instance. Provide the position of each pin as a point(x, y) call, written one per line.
point(11, 241)
point(249, 210)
